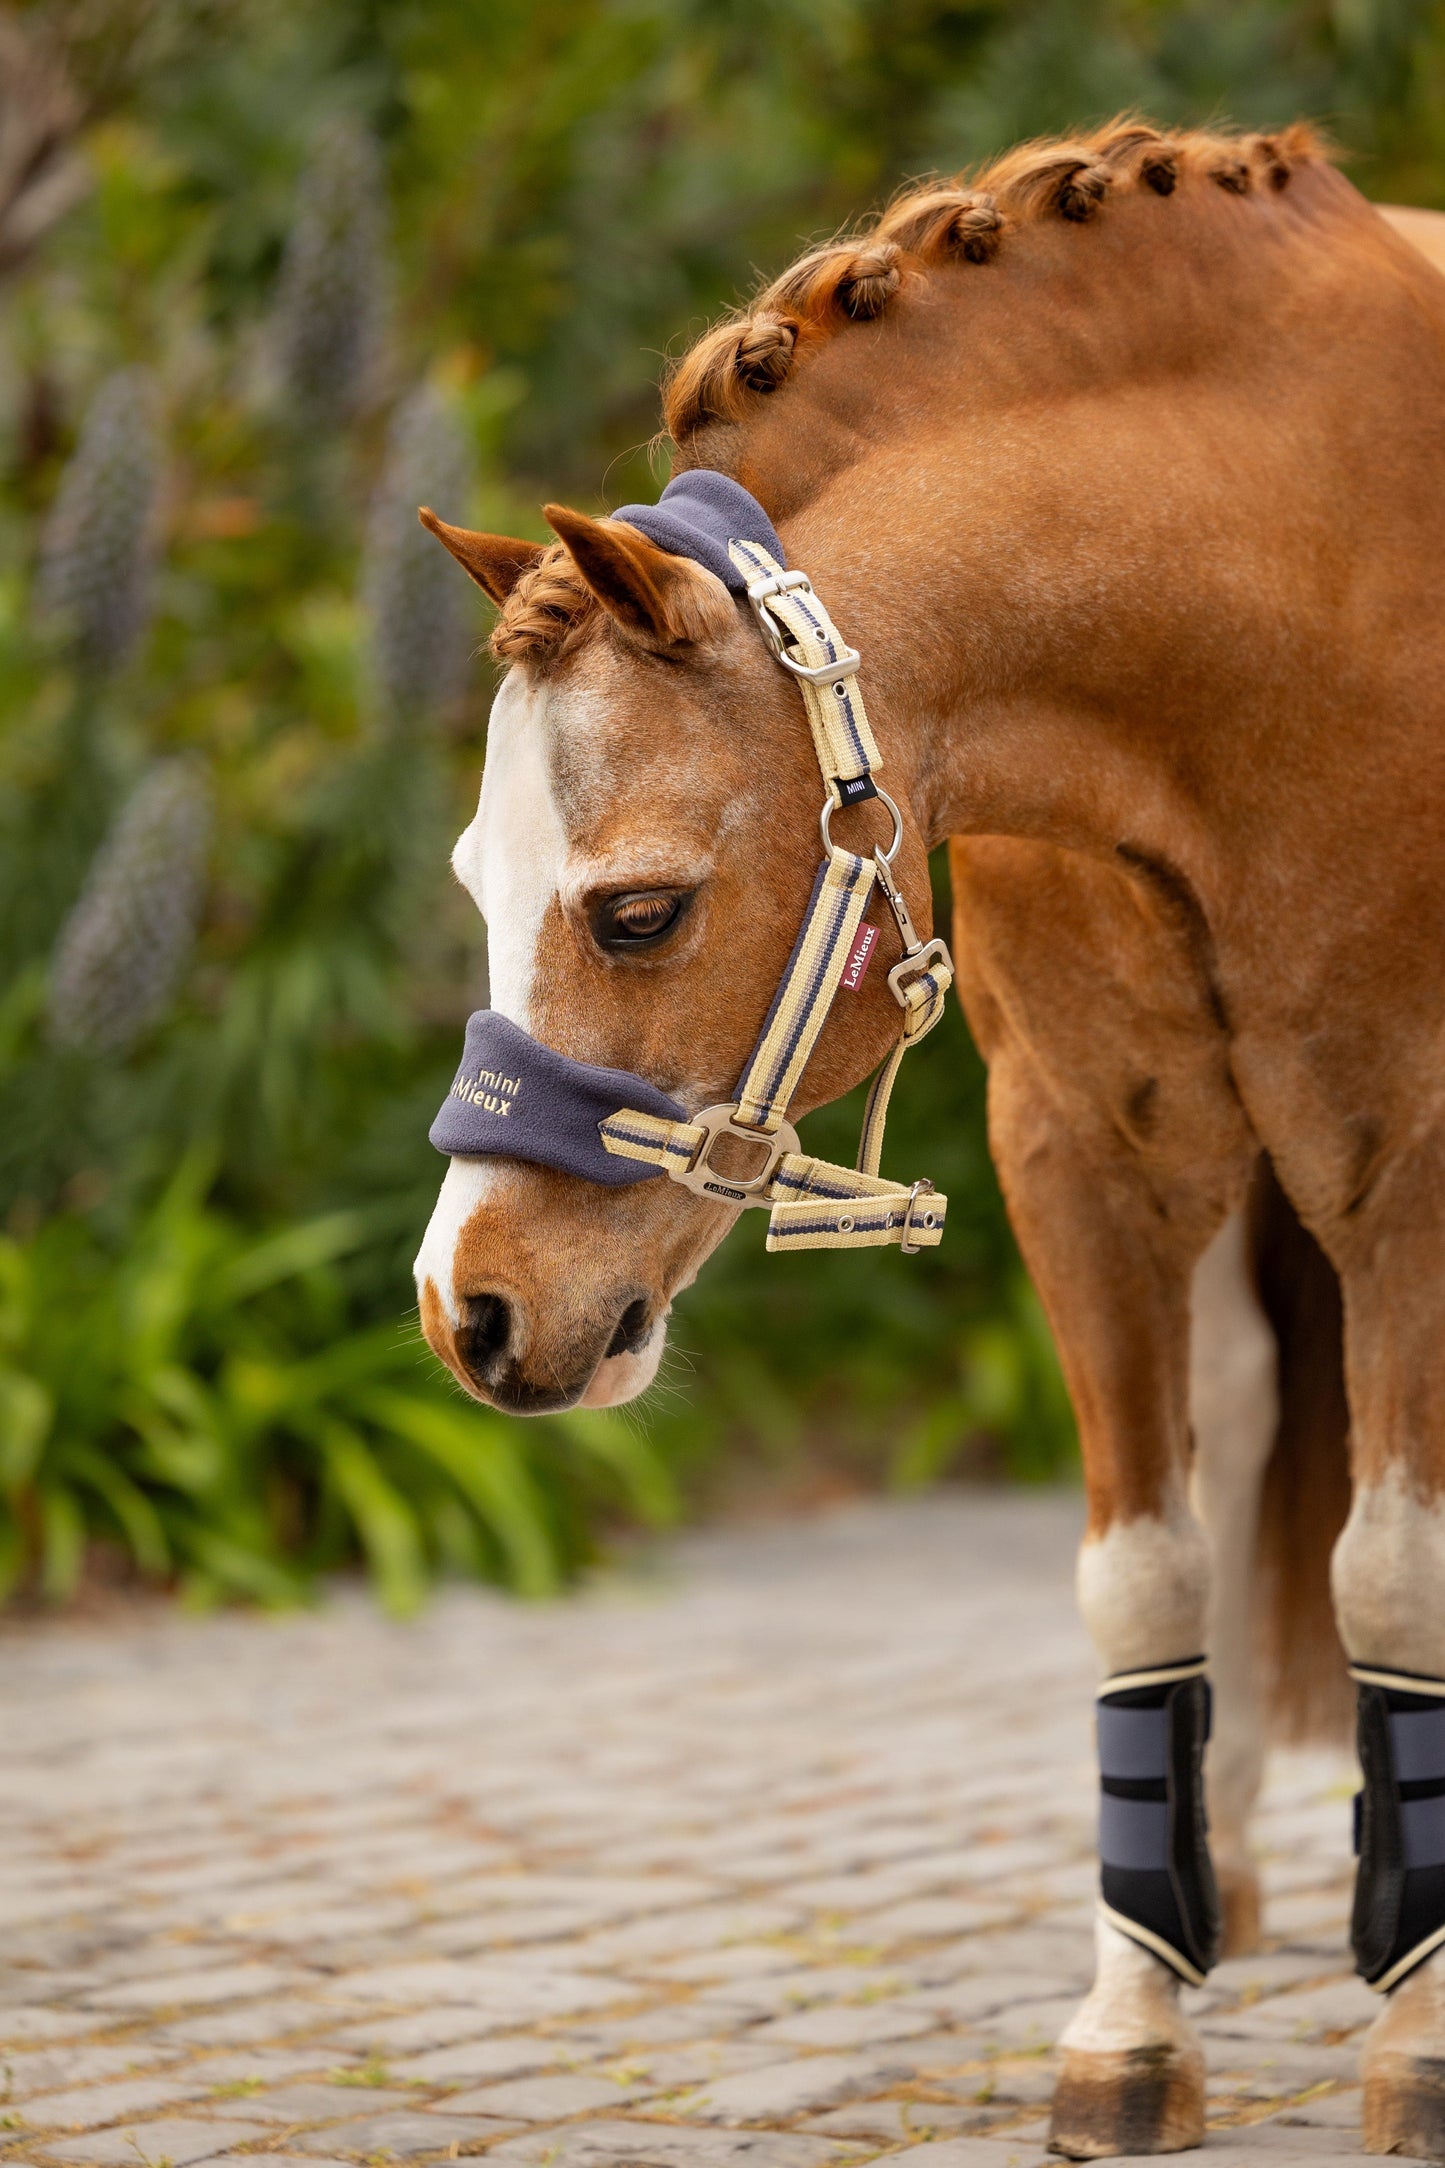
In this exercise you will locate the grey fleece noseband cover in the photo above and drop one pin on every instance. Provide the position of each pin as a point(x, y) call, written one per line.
point(513, 1098)
point(698, 514)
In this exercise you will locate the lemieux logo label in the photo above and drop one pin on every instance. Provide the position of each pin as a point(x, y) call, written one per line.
point(487, 1090)
point(857, 963)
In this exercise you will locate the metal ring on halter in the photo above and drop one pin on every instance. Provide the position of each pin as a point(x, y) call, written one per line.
point(888, 856)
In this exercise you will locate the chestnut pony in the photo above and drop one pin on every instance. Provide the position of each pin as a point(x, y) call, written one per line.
point(1124, 469)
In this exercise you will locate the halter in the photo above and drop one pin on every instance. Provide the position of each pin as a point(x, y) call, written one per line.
point(514, 1098)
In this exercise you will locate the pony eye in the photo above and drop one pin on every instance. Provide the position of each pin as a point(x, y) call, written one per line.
point(638, 918)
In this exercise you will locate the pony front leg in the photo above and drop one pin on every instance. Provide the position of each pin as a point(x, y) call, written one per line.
point(1389, 1585)
point(1132, 2072)
point(1114, 1272)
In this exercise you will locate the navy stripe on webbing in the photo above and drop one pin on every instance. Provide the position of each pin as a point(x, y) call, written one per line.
point(633, 1136)
point(1417, 1737)
point(800, 602)
point(842, 905)
point(1133, 1742)
point(829, 1226)
point(1133, 1833)
point(1422, 1825)
point(813, 1185)
point(787, 978)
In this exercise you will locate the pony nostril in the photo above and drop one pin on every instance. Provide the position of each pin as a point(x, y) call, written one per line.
point(632, 1329)
point(483, 1331)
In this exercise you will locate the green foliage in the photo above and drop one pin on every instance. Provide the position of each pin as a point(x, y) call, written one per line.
point(187, 1394)
point(334, 261)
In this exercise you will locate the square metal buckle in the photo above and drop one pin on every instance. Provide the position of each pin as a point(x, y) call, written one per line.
point(919, 1189)
point(915, 963)
point(705, 1181)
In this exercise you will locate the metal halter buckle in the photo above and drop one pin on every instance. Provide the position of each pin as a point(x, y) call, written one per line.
point(915, 963)
point(760, 593)
point(919, 1189)
point(721, 1121)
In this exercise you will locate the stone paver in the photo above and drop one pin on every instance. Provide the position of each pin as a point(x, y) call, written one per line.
point(769, 1852)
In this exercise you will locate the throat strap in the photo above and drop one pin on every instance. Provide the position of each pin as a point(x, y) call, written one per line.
point(812, 1204)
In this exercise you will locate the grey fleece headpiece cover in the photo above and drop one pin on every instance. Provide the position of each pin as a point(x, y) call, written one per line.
point(513, 1098)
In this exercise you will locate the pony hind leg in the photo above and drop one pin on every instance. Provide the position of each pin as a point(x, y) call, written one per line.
point(1234, 1414)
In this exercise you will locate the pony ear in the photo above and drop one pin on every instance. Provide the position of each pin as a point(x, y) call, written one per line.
point(660, 599)
point(495, 561)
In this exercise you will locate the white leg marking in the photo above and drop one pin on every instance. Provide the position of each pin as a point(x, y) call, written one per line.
point(1387, 1572)
point(510, 859)
point(1133, 2003)
point(1142, 1589)
point(1234, 1408)
point(1412, 2023)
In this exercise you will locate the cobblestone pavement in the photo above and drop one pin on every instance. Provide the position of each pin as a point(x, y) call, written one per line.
point(774, 1851)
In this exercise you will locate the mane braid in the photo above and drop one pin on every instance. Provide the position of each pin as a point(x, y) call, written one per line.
point(856, 278)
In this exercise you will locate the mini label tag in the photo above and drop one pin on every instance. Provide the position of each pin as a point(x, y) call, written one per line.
point(853, 789)
point(857, 963)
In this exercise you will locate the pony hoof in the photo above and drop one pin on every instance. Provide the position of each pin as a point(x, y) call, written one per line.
point(1138, 2100)
point(1404, 2107)
point(1239, 1903)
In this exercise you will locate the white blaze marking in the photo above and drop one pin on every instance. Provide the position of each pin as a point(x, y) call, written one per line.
point(464, 1185)
point(509, 861)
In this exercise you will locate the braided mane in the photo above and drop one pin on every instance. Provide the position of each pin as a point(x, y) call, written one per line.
point(857, 277)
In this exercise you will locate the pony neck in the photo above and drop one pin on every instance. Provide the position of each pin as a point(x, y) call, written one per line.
point(1087, 513)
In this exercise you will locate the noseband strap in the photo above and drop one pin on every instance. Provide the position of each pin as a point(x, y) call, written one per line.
point(811, 1204)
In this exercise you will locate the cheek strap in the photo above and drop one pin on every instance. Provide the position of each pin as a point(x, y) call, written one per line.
point(812, 1204)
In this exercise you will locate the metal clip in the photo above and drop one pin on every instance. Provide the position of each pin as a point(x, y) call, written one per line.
point(919, 1189)
point(908, 932)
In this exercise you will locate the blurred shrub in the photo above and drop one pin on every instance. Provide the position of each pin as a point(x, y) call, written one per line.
point(213, 1107)
point(331, 302)
point(95, 552)
point(423, 625)
point(128, 939)
point(187, 1395)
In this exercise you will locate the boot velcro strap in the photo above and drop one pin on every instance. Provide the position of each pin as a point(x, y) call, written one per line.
point(1399, 1908)
point(1155, 1879)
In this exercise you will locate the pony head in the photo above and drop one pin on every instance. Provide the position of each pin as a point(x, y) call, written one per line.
point(643, 853)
